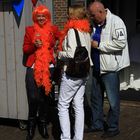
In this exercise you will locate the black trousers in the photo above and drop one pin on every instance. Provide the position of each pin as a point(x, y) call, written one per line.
point(37, 100)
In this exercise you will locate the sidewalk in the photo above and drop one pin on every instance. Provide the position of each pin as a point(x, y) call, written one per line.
point(129, 126)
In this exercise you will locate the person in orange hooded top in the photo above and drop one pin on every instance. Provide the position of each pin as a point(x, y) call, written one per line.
point(38, 49)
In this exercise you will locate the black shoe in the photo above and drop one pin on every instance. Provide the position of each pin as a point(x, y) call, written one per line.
point(105, 126)
point(108, 134)
point(31, 129)
point(28, 137)
point(91, 130)
point(42, 128)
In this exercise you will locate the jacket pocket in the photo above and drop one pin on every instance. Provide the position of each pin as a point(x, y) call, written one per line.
point(108, 62)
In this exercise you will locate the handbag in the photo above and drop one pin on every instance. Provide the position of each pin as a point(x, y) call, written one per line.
point(78, 66)
point(58, 71)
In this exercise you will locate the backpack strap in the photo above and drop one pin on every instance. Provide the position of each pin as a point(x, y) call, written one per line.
point(77, 38)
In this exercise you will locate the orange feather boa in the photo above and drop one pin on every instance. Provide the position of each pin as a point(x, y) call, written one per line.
point(80, 24)
point(43, 57)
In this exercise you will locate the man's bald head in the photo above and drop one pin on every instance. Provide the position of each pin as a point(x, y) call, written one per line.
point(97, 6)
point(97, 11)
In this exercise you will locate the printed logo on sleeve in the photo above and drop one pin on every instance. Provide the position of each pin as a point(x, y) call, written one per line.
point(120, 34)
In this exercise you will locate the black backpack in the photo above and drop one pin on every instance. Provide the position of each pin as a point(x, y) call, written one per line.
point(79, 66)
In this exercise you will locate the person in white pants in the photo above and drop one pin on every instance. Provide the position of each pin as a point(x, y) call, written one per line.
point(73, 89)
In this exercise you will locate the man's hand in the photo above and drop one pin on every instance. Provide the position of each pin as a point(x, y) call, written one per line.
point(56, 53)
point(94, 44)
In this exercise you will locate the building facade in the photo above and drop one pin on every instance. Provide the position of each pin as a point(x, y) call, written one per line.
point(13, 101)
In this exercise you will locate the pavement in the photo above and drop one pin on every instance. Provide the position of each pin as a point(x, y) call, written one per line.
point(129, 125)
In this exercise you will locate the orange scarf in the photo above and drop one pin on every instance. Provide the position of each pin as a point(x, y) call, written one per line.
point(43, 57)
point(81, 25)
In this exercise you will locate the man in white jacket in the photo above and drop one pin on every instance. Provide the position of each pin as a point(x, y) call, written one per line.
point(109, 55)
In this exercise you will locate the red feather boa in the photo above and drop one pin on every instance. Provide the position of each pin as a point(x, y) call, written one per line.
point(43, 57)
point(81, 25)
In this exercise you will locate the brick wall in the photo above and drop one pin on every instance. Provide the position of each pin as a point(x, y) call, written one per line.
point(60, 12)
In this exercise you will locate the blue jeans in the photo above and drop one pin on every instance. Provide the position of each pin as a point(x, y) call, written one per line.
point(108, 82)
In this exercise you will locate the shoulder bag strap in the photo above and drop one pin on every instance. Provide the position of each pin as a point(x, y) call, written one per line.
point(77, 38)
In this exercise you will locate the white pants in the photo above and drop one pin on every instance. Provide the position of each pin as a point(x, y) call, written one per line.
point(71, 89)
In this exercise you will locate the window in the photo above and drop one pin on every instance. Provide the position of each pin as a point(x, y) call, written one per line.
point(79, 2)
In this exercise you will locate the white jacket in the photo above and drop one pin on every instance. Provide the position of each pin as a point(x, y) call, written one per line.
point(70, 44)
point(113, 45)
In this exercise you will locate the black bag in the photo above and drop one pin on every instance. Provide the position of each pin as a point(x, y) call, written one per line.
point(79, 66)
point(58, 71)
